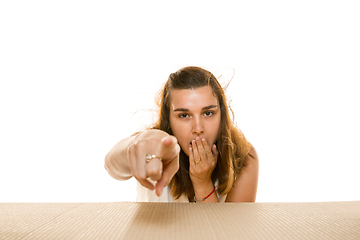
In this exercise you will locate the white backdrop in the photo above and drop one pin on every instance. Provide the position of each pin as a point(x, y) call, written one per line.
point(78, 76)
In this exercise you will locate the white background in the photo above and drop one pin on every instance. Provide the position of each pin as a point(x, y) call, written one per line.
point(78, 76)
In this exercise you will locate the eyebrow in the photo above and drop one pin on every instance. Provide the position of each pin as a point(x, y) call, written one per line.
point(187, 110)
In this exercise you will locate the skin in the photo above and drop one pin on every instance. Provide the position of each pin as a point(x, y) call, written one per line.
point(195, 122)
point(192, 112)
point(160, 169)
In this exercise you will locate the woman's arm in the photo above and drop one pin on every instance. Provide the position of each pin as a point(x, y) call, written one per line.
point(245, 186)
point(117, 161)
point(128, 158)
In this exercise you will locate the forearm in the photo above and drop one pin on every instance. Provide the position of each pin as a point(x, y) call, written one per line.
point(117, 162)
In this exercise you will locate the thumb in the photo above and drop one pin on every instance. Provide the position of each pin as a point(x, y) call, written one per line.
point(169, 141)
point(170, 148)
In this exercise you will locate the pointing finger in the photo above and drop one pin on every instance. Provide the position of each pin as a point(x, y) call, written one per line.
point(170, 170)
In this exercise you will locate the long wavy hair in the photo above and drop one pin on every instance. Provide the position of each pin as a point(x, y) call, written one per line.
point(231, 143)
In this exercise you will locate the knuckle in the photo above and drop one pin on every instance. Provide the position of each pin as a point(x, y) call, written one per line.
point(154, 168)
point(141, 176)
point(153, 141)
point(141, 143)
point(152, 171)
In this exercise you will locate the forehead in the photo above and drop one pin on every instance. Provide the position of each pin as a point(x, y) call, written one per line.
point(192, 98)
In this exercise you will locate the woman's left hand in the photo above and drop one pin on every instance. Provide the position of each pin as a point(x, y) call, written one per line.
point(203, 161)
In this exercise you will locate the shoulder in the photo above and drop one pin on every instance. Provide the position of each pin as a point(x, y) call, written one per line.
point(252, 153)
point(245, 185)
point(251, 160)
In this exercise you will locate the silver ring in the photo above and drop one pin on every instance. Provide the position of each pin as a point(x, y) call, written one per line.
point(150, 157)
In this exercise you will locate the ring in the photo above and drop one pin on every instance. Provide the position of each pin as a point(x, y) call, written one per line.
point(149, 157)
point(197, 161)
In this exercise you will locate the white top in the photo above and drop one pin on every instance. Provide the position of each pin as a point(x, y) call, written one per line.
point(146, 195)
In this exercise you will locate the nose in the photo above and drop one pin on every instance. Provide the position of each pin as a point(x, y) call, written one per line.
point(198, 126)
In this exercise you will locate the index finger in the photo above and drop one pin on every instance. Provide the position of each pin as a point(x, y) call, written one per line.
point(169, 171)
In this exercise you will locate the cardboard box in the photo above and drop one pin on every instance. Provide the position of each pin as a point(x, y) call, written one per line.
point(125, 220)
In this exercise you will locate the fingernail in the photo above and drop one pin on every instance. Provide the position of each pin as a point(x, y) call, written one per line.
point(190, 149)
point(203, 139)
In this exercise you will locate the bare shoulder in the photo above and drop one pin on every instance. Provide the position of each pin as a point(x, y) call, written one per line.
point(252, 154)
point(245, 186)
point(251, 160)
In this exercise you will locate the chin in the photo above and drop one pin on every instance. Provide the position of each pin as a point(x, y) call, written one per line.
point(185, 151)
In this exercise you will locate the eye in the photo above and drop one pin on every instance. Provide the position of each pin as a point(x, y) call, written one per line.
point(208, 113)
point(183, 115)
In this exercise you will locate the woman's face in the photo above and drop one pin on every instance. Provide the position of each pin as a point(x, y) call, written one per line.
point(194, 113)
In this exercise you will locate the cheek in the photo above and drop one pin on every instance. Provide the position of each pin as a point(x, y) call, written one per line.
point(173, 126)
point(181, 136)
point(183, 141)
point(176, 129)
point(215, 131)
point(180, 131)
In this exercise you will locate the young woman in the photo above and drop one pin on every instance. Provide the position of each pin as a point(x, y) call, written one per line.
point(194, 152)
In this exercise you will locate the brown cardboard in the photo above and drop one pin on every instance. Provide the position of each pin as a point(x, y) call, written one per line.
point(124, 220)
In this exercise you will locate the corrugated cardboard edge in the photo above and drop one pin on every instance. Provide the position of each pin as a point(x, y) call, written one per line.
point(125, 220)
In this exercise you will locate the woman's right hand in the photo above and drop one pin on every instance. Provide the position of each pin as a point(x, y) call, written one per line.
point(162, 168)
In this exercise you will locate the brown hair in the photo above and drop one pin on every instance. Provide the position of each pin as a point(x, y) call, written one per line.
point(231, 143)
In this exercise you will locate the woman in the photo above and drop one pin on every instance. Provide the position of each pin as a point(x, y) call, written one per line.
point(194, 151)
